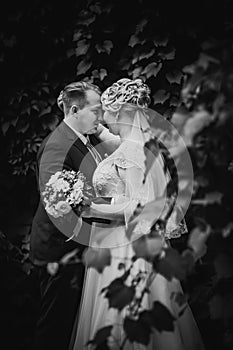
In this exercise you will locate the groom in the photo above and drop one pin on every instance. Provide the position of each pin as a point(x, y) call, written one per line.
point(70, 147)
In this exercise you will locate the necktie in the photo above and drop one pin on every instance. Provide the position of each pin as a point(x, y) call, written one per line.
point(93, 151)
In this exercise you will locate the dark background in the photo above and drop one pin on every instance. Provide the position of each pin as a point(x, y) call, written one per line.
point(47, 44)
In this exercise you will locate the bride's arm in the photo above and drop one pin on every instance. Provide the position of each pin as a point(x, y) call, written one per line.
point(106, 211)
point(111, 142)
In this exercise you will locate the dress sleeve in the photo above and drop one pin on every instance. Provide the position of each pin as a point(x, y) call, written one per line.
point(132, 174)
point(131, 169)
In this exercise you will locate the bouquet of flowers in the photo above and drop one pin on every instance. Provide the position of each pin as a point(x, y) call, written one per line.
point(66, 190)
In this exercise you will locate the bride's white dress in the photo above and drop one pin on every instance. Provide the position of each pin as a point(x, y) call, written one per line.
point(109, 180)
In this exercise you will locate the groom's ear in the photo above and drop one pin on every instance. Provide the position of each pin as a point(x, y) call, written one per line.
point(74, 109)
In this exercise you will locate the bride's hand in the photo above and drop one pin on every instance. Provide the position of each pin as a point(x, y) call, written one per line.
point(95, 211)
point(103, 211)
point(89, 212)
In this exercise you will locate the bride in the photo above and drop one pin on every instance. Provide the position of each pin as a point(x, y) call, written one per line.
point(120, 176)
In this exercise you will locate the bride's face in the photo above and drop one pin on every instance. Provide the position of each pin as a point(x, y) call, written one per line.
point(110, 120)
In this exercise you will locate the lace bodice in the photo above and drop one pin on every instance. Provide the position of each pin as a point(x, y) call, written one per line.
point(106, 179)
point(110, 181)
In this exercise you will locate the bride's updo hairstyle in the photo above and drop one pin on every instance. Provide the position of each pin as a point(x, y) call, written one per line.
point(126, 93)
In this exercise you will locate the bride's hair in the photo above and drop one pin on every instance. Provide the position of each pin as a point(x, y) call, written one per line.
point(75, 93)
point(126, 92)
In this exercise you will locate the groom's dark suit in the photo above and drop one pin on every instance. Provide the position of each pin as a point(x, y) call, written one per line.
point(60, 294)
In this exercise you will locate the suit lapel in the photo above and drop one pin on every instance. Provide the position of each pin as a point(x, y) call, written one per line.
point(76, 142)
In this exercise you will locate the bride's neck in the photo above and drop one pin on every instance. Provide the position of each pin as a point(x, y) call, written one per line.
point(125, 132)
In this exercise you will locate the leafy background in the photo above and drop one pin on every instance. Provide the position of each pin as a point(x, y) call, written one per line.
point(184, 51)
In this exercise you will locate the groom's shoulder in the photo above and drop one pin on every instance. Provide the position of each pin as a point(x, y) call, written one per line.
point(57, 139)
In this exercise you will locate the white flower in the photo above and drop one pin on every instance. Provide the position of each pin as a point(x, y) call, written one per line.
point(62, 208)
point(79, 184)
point(61, 184)
point(53, 178)
point(77, 195)
point(64, 189)
point(52, 211)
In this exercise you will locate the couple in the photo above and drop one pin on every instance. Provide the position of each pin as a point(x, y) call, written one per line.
point(119, 177)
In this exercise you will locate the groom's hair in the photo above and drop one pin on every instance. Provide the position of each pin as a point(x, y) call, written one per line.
point(75, 93)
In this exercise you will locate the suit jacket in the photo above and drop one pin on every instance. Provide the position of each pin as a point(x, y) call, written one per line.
point(62, 149)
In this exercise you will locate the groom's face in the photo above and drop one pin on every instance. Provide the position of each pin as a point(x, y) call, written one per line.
point(90, 116)
point(110, 120)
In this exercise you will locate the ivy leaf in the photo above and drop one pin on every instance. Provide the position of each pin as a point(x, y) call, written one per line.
point(105, 47)
point(152, 69)
point(180, 298)
point(147, 247)
point(161, 96)
point(101, 336)
point(86, 19)
point(171, 265)
point(133, 40)
point(149, 214)
point(179, 118)
point(45, 111)
point(119, 294)
point(204, 60)
point(174, 101)
point(95, 73)
point(188, 260)
point(174, 77)
point(227, 230)
point(14, 121)
point(161, 318)
point(126, 65)
point(23, 127)
point(160, 41)
point(223, 264)
point(197, 241)
point(45, 89)
point(216, 307)
point(83, 67)
point(210, 198)
point(96, 8)
point(51, 122)
point(135, 59)
point(103, 73)
point(77, 35)
point(196, 124)
point(99, 74)
point(137, 330)
point(140, 26)
point(97, 258)
point(82, 47)
point(145, 55)
point(108, 45)
point(136, 72)
point(5, 127)
point(167, 55)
